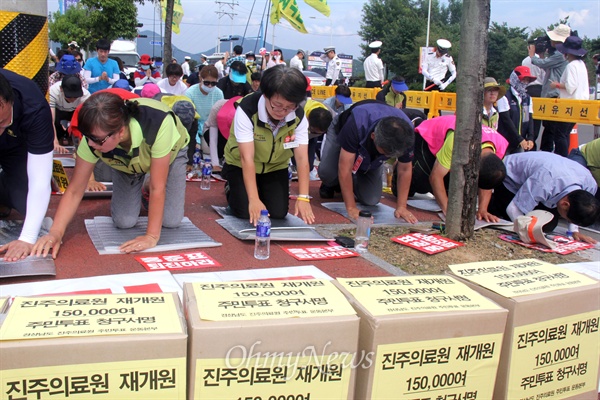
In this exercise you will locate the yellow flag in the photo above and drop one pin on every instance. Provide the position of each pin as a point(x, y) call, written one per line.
point(288, 9)
point(319, 5)
point(177, 13)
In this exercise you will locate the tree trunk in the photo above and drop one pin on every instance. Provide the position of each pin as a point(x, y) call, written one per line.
point(168, 48)
point(462, 199)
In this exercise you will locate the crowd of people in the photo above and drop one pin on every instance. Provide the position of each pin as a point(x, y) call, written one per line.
point(258, 124)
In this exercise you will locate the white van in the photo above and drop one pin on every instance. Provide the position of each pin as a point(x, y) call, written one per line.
point(126, 50)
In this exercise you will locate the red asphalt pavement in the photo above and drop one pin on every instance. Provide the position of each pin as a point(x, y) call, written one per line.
point(78, 257)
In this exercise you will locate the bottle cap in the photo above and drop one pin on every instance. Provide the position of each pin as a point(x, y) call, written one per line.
point(366, 214)
point(264, 212)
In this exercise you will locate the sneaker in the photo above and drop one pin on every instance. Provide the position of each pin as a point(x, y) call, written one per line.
point(326, 192)
point(314, 175)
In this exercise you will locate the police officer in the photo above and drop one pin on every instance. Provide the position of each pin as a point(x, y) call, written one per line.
point(373, 66)
point(334, 66)
point(436, 66)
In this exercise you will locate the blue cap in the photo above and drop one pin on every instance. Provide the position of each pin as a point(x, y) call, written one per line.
point(399, 86)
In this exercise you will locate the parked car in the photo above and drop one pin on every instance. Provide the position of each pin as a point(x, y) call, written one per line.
point(315, 79)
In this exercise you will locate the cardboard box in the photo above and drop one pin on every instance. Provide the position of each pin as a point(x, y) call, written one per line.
point(110, 346)
point(425, 337)
point(270, 340)
point(551, 345)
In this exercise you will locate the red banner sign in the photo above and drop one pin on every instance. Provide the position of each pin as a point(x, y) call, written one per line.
point(177, 262)
point(430, 244)
point(315, 253)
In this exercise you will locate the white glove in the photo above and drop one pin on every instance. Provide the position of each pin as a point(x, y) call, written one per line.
point(443, 86)
point(437, 82)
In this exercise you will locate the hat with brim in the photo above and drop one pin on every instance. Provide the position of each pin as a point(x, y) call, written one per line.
point(150, 90)
point(122, 84)
point(145, 59)
point(491, 83)
point(237, 77)
point(328, 49)
point(523, 72)
point(443, 45)
point(187, 58)
point(343, 99)
point(68, 65)
point(572, 45)
point(71, 86)
point(560, 33)
point(399, 86)
point(376, 44)
point(529, 227)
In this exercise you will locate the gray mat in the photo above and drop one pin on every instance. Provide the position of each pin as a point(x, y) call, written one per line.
point(11, 230)
point(291, 228)
point(30, 266)
point(508, 225)
point(382, 214)
point(425, 204)
point(107, 238)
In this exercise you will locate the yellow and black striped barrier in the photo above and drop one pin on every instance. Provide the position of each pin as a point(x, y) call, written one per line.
point(565, 110)
point(24, 45)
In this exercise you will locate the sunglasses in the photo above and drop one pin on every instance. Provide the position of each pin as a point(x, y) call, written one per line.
point(209, 83)
point(99, 142)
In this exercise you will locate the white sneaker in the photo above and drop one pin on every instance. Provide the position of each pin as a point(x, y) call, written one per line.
point(314, 174)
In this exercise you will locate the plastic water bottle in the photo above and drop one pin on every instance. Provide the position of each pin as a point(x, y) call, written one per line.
point(196, 164)
point(206, 174)
point(262, 242)
point(363, 232)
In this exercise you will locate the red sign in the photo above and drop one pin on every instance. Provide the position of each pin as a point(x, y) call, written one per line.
point(430, 244)
point(177, 261)
point(315, 253)
point(564, 245)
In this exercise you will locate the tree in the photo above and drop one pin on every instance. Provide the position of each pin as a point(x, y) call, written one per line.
point(507, 47)
point(91, 20)
point(168, 48)
point(460, 219)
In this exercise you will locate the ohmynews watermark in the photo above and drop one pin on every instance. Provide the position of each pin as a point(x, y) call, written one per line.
point(241, 356)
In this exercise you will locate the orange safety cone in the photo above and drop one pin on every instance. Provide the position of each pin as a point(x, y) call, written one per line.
point(573, 139)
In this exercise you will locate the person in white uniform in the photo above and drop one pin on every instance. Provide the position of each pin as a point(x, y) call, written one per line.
point(373, 66)
point(436, 67)
point(334, 66)
point(296, 61)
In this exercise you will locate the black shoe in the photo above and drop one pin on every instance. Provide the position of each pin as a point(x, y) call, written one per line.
point(326, 192)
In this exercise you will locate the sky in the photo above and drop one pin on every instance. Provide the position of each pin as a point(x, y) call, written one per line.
point(201, 25)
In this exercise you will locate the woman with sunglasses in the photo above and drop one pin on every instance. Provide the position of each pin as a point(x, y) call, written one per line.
point(204, 95)
point(135, 138)
point(269, 128)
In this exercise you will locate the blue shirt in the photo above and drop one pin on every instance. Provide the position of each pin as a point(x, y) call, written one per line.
point(203, 103)
point(97, 68)
point(542, 177)
point(354, 137)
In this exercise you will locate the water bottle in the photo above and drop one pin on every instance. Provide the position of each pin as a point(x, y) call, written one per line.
point(363, 232)
point(196, 164)
point(263, 236)
point(206, 174)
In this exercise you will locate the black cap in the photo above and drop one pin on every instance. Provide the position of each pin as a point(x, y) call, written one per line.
point(366, 214)
point(71, 86)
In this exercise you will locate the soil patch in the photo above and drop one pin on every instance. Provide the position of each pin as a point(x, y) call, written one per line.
point(485, 245)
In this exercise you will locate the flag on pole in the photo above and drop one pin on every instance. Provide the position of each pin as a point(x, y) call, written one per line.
point(288, 9)
point(319, 5)
point(177, 13)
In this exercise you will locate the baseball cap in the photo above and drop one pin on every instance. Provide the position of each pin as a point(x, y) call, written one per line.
point(529, 227)
point(150, 90)
point(121, 84)
point(399, 86)
point(343, 99)
point(522, 72)
point(145, 59)
point(71, 86)
point(185, 111)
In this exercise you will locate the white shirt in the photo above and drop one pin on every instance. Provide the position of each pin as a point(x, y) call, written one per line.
point(435, 68)
point(535, 71)
point(166, 87)
point(186, 68)
point(296, 62)
point(373, 68)
point(575, 80)
point(219, 67)
point(244, 128)
point(334, 66)
point(503, 106)
point(58, 101)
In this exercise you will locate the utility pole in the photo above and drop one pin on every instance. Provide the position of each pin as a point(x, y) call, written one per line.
point(225, 8)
